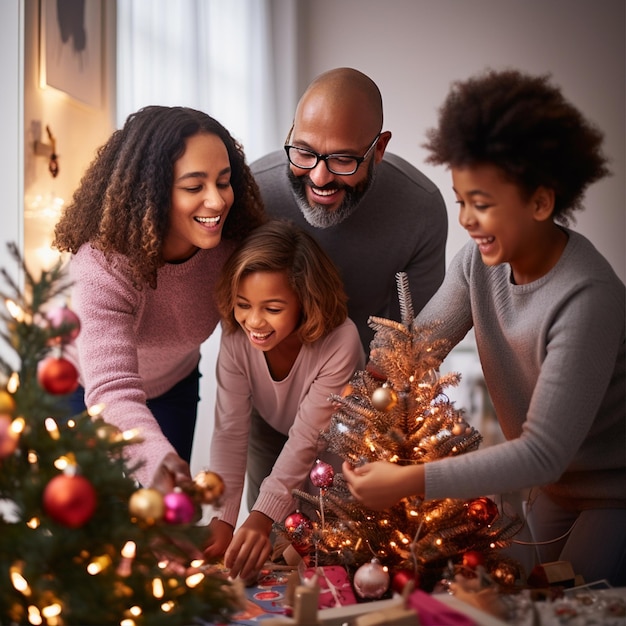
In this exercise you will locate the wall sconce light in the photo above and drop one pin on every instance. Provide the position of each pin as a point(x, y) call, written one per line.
point(49, 151)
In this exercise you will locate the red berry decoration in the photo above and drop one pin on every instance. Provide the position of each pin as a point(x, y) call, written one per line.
point(57, 376)
point(482, 511)
point(64, 323)
point(69, 500)
point(473, 558)
point(179, 508)
point(322, 474)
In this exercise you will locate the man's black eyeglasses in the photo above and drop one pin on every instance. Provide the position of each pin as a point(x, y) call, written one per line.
point(340, 164)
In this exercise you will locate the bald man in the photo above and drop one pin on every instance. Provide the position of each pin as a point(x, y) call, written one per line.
point(373, 212)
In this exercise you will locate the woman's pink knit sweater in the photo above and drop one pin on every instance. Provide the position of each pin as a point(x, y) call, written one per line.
point(136, 344)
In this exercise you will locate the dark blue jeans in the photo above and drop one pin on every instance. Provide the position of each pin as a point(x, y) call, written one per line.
point(175, 411)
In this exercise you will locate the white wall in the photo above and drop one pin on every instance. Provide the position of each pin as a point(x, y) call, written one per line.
point(11, 125)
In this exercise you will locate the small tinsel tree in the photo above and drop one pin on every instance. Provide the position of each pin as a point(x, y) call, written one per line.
point(80, 542)
point(396, 411)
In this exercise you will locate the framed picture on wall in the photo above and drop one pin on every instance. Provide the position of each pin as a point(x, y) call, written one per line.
point(71, 48)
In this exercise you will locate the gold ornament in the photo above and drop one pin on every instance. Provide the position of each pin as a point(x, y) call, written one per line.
point(147, 505)
point(109, 432)
point(384, 398)
point(209, 485)
point(7, 403)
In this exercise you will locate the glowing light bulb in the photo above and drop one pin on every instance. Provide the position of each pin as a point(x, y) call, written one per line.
point(157, 588)
point(194, 580)
point(52, 428)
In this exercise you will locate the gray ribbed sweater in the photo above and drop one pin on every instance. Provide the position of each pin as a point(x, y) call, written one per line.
point(552, 354)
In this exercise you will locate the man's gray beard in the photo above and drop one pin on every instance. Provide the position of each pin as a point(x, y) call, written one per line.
point(318, 215)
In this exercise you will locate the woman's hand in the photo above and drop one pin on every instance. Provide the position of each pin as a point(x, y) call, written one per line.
point(250, 546)
point(380, 485)
point(173, 472)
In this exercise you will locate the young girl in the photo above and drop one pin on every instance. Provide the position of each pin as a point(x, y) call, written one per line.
point(287, 345)
point(154, 218)
point(548, 314)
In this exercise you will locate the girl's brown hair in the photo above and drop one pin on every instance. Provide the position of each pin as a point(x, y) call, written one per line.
point(123, 202)
point(280, 246)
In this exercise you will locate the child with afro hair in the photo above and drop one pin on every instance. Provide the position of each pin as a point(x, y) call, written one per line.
point(548, 313)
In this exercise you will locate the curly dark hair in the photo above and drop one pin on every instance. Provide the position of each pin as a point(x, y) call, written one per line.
point(279, 246)
point(523, 125)
point(123, 202)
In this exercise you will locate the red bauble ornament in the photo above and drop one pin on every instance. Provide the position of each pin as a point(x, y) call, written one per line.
point(482, 511)
point(473, 558)
point(69, 500)
point(322, 474)
point(402, 577)
point(64, 320)
point(299, 530)
point(57, 376)
point(371, 580)
point(8, 437)
point(179, 508)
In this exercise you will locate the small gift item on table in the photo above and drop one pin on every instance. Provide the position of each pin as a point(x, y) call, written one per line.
point(335, 587)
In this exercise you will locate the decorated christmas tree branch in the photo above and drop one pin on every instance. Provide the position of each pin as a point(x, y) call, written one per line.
point(80, 543)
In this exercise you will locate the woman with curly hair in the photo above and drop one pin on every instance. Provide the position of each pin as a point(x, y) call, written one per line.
point(155, 217)
point(548, 313)
point(287, 346)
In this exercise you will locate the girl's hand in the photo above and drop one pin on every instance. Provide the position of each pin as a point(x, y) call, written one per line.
point(380, 485)
point(250, 546)
point(219, 540)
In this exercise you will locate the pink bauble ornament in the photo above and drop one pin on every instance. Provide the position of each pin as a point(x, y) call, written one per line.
point(57, 376)
point(179, 508)
point(63, 320)
point(69, 500)
point(322, 474)
point(371, 580)
point(8, 437)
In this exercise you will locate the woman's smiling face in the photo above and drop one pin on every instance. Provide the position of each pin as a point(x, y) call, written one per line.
point(202, 195)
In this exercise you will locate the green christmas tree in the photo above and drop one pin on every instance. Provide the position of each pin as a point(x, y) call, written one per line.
point(396, 410)
point(80, 542)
